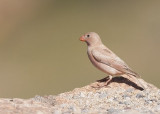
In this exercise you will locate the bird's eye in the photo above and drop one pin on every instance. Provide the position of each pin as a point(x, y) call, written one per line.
point(88, 36)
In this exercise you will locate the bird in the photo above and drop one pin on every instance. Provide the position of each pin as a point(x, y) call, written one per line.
point(106, 60)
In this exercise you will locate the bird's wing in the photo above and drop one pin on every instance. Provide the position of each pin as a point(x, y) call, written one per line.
point(109, 58)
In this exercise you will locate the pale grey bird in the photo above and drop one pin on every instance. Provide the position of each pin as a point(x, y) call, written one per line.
point(104, 59)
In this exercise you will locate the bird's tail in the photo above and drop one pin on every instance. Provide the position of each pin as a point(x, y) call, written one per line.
point(136, 80)
point(131, 72)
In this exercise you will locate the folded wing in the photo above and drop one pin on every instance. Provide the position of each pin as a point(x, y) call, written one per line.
point(109, 58)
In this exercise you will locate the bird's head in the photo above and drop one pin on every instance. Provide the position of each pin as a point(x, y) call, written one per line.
point(91, 38)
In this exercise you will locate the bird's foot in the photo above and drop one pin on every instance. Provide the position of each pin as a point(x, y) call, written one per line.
point(100, 85)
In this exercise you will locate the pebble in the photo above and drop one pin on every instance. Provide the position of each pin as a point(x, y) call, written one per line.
point(57, 112)
point(103, 95)
point(157, 108)
point(63, 105)
point(120, 102)
point(139, 95)
point(130, 90)
point(126, 96)
point(84, 110)
point(113, 111)
point(76, 110)
point(76, 97)
point(82, 95)
point(127, 102)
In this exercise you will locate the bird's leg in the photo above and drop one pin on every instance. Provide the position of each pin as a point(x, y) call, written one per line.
point(107, 82)
point(108, 79)
point(99, 85)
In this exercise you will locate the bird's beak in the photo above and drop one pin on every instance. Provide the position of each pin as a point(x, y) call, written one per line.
point(82, 39)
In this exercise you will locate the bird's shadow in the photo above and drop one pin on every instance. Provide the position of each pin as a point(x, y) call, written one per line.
point(121, 80)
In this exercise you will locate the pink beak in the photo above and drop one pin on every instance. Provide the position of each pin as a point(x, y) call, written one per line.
point(82, 39)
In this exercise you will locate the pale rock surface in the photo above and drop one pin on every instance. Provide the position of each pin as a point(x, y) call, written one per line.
point(120, 96)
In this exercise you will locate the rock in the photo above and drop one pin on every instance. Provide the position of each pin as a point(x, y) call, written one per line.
point(120, 96)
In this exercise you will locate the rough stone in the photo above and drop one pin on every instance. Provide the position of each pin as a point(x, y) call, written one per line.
point(120, 96)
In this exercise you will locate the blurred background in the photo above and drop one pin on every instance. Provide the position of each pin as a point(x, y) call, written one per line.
point(40, 51)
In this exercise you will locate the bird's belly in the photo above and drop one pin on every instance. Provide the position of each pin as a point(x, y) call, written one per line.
point(103, 67)
point(107, 69)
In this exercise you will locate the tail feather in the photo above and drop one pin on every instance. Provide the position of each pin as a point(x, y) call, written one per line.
point(130, 72)
point(135, 80)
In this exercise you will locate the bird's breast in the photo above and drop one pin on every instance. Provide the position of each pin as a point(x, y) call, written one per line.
point(92, 59)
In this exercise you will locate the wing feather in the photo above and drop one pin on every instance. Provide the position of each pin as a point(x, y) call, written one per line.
point(112, 60)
